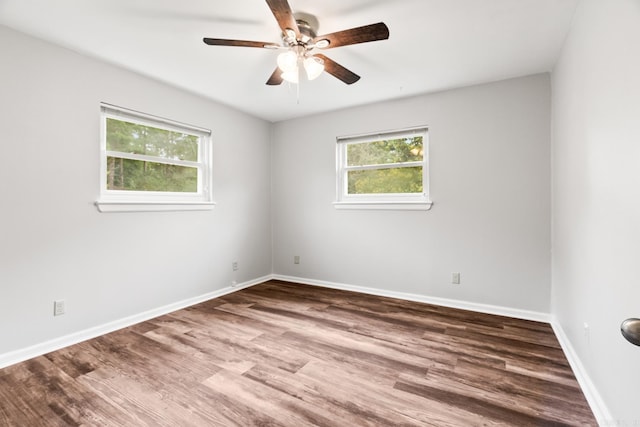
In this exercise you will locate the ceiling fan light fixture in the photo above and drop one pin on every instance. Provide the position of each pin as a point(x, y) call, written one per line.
point(299, 39)
point(288, 61)
point(291, 76)
point(313, 66)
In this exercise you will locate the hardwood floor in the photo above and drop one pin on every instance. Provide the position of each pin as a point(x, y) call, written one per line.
point(281, 354)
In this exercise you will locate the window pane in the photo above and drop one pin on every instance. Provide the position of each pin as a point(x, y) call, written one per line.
point(136, 175)
point(385, 152)
point(140, 139)
point(385, 181)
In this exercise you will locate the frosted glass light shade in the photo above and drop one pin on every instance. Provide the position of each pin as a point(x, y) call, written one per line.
point(314, 67)
point(291, 76)
point(288, 61)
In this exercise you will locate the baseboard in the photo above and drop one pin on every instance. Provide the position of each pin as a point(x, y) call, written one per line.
point(463, 305)
point(76, 337)
point(21, 355)
point(598, 407)
point(594, 399)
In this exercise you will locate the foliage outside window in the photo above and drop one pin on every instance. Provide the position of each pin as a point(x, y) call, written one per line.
point(384, 170)
point(150, 163)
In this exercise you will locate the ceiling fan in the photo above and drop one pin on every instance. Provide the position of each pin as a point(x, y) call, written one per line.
point(300, 42)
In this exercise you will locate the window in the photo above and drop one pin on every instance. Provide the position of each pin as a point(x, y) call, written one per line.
point(149, 163)
point(386, 170)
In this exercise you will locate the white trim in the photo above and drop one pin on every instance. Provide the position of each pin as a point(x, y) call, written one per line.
point(384, 166)
point(144, 118)
point(387, 134)
point(104, 206)
point(392, 201)
point(146, 201)
point(595, 401)
point(21, 355)
point(444, 302)
point(598, 407)
point(153, 159)
point(381, 205)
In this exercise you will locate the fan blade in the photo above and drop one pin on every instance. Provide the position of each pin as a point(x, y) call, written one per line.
point(276, 77)
point(368, 33)
point(241, 43)
point(282, 11)
point(338, 71)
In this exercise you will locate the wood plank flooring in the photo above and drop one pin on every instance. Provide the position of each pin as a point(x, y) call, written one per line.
point(282, 354)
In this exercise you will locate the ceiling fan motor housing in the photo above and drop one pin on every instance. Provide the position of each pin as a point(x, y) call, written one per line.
point(307, 27)
point(307, 24)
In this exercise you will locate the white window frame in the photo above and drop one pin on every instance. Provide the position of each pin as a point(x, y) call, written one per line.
point(403, 201)
point(145, 201)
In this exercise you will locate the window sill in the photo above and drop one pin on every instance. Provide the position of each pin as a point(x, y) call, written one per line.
point(126, 206)
point(386, 205)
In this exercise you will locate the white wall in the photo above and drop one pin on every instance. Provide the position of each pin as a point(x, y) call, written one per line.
point(53, 242)
point(490, 183)
point(596, 197)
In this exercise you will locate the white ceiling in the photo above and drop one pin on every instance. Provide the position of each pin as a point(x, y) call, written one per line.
point(433, 45)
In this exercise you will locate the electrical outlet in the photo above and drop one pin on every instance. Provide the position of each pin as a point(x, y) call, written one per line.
point(235, 265)
point(455, 278)
point(296, 259)
point(58, 308)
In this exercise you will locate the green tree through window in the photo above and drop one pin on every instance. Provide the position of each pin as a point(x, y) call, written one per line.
point(384, 169)
point(150, 163)
point(143, 175)
point(399, 177)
